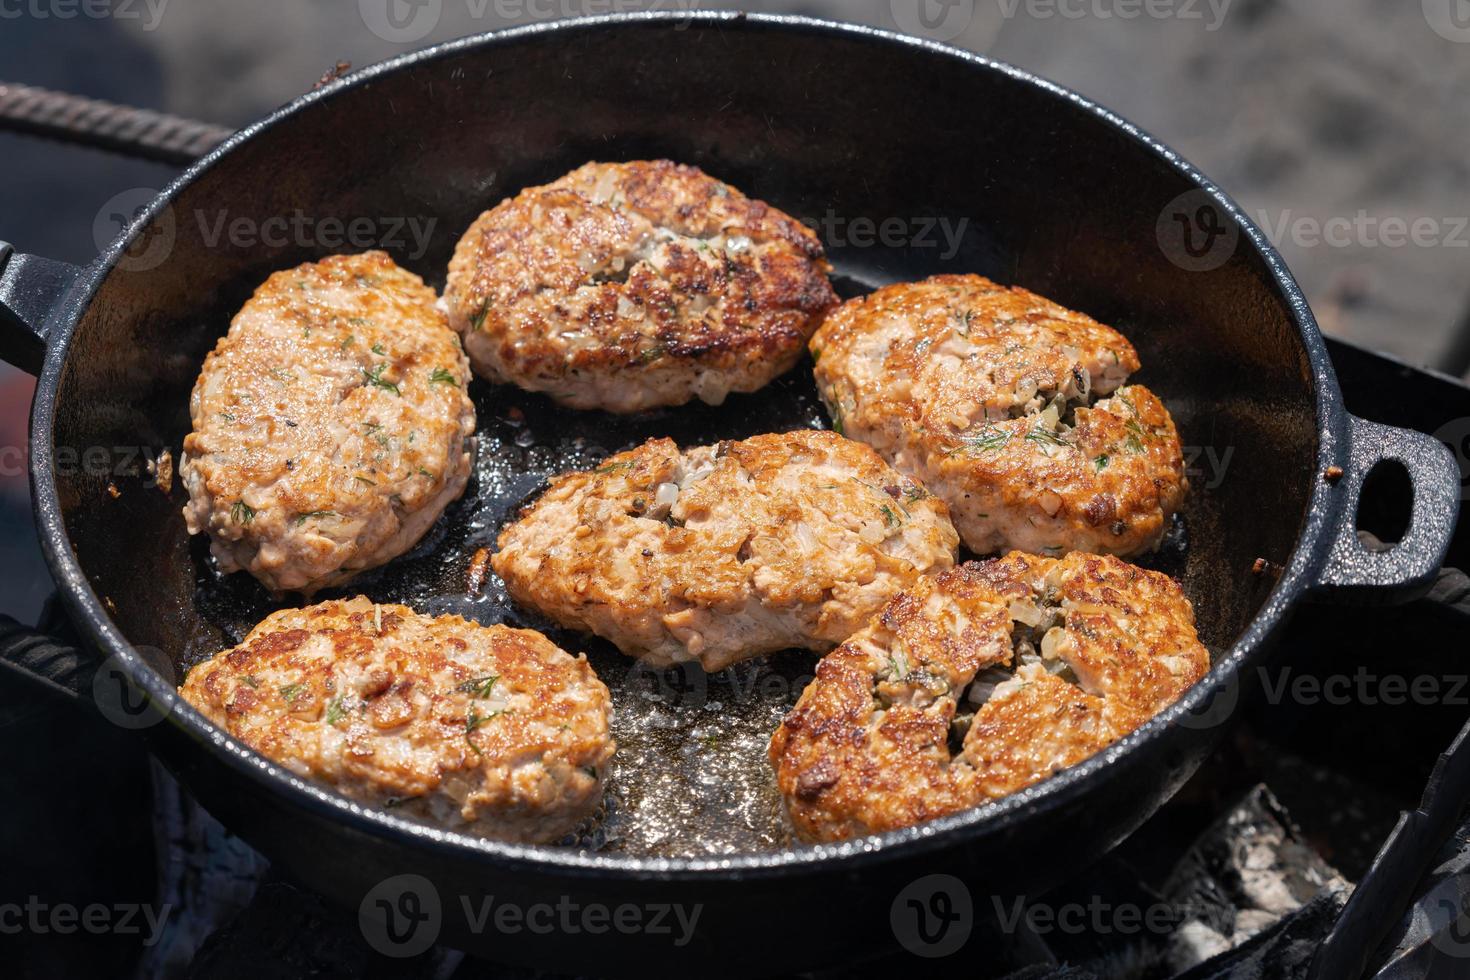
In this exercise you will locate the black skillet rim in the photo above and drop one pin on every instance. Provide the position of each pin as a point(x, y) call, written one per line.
point(92, 619)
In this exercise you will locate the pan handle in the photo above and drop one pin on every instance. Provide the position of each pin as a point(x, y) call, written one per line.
point(49, 664)
point(1352, 573)
point(70, 673)
point(30, 288)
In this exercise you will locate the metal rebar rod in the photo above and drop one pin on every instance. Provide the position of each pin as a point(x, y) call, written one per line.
point(105, 125)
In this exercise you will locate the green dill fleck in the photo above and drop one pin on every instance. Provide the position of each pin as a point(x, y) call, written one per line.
point(1135, 437)
point(480, 687)
point(378, 349)
point(915, 493)
point(348, 342)
point(443, 377)
point(986, 441)
point(241, 512)
point(252, 682)
point(473, 721)
point(375, 378)
point(591, 771)
point(394, 801)
point(1101, 462)
point(290, 692)
point(1046, 436)
point(898, 665)
point(839, 418)
point(363, 479)
point(827, 486)
point(424, 472)
point(615, 467)
point(336, 711)
point(652, 354)
point(227, 416)
point(303, 518)
point(305, 332)
point(966, 322)
point(374, 430)
point(477, 319)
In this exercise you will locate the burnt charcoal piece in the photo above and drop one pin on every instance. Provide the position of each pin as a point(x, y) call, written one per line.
point(1246, 874)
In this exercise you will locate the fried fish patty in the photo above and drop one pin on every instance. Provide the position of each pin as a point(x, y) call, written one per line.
point(486, 730)
point(725, 552)
point(330, 425)
point(978, 682)
point(630, 286)
point(1011, 408)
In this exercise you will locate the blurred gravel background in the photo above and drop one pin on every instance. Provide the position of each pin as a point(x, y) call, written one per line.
point(1336, 124)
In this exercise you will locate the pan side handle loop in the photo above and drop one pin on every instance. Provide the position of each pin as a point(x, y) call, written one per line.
point(30, 288)
point(1405, 571)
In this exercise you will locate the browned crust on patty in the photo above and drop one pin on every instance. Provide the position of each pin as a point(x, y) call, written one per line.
point(869, 745)
point(951, 379)
point(725, 552)
point(331, 425)
point(488, 730)
point(636, 285)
